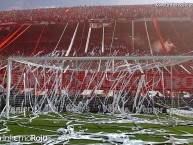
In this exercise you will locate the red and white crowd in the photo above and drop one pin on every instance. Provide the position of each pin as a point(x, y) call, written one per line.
point(79, 13)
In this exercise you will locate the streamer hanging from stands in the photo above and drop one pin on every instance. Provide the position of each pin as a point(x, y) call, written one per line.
point(156, 26)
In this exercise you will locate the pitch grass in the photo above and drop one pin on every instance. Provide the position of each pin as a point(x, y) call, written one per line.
point(49, 123)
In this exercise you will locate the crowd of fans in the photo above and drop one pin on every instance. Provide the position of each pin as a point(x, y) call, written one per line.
point(79, 13)
point(121, 45)
point(179, 33)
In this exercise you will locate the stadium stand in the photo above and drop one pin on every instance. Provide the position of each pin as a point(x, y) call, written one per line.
point(40, 31)
point(61, 15)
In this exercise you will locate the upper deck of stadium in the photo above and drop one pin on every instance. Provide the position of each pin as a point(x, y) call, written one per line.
point(128, 30)
point(61, 15)
point(137, 30)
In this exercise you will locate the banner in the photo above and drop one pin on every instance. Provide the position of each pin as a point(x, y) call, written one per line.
point(100, 25)
point(104, 81)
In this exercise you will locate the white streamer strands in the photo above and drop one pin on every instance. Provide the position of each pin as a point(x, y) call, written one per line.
point(61, 36)
point(88, 39)
point(72, 41)
point(185, 69)
point(112, 40)
point(150, 48)
point(99, 77)
point(103, 37)
point(133, 37)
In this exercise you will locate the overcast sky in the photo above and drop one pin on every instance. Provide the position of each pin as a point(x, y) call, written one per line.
point(26, 4)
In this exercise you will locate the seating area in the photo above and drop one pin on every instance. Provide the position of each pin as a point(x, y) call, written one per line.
point(61, 15)
point(117, 39)
point(123, 38)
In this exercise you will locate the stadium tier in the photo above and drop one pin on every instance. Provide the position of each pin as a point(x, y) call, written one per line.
point(96, 74)
point(119, 31)
point(60, 15)
point(121, 37)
